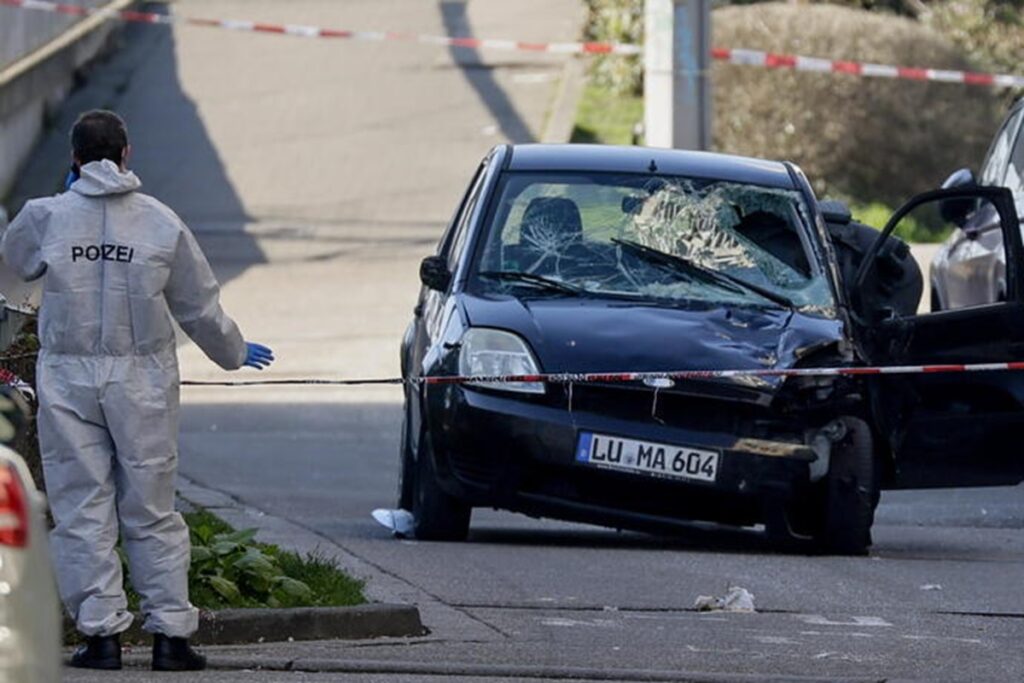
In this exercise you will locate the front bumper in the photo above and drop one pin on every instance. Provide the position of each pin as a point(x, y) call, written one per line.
point(508, 451)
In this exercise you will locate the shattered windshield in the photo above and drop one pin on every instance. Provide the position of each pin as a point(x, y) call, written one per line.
point(651, 237)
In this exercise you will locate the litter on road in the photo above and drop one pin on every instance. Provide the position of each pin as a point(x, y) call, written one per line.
point(736, 600)
point(400, 522)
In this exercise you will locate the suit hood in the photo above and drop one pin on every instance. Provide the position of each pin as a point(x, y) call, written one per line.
point(104, 178)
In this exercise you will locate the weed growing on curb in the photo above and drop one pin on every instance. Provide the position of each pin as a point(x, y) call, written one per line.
point(231, 570)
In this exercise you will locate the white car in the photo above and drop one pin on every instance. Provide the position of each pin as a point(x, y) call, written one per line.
point(970, 267)
point(30, 620)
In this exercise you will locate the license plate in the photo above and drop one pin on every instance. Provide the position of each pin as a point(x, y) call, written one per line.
point(658, 459)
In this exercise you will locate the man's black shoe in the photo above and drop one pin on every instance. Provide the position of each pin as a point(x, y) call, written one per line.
point(175, 654)
point(98, 652)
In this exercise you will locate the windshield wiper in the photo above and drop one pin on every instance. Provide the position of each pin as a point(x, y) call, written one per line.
point(699, 272)
point(530, 279)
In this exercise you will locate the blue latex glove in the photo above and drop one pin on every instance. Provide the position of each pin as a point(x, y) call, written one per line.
point(257, 356)
point(70, 179)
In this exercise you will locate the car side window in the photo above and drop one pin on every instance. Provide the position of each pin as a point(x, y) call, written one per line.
point(453, 225)
point(461, 229)
point(999, 154)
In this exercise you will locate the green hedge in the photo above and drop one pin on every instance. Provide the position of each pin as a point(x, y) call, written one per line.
point(616, 21)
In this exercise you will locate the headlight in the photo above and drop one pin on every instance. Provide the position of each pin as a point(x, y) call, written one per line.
point(493, 353)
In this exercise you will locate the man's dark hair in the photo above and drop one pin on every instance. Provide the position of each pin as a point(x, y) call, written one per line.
point(99, 135)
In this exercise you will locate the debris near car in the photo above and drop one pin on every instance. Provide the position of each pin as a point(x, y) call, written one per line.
point(736, 599)
point(398, 522)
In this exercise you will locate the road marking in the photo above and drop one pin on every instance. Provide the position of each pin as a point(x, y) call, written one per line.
point(819, 620)
point(572, 623)
point(776, 640)
point(953, 639)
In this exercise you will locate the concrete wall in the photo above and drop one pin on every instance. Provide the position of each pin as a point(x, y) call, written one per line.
point(40, 53)
point(22, 31)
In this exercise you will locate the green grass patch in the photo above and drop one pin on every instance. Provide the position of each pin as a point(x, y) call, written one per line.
point(913, 228)
point(231, 570)
point(606, 118)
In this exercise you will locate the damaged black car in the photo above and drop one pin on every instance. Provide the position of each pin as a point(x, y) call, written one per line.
point(592, 259)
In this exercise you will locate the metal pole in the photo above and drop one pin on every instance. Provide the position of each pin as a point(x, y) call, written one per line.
point(677, 90)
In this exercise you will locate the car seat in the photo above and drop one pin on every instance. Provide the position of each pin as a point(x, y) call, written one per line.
point(775, 235)
point(550, 226)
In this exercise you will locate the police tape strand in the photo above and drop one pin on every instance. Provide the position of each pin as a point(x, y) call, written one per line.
point(742, 57)
point(7, 377)
point(621, 377)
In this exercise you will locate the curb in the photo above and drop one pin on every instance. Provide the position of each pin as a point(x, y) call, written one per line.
point(493, 671)
point(267, 625)
point(380, 587)
point(237, 626)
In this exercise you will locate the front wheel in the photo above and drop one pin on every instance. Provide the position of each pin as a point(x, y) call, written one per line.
point(437, 515)
point(851, 492)
point(407, 460)
point(837, 514)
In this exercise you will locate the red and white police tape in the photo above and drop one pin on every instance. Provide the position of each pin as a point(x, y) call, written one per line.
point(770, 60)
point(767, 60)
point(620, 377)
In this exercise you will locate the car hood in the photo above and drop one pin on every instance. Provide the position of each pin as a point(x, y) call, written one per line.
point(593, 335)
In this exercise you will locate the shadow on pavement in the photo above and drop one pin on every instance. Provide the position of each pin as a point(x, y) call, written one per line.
point(171, 149)
point(322, 462)
point(456, 24)
point(704, 538)
point(331, 464)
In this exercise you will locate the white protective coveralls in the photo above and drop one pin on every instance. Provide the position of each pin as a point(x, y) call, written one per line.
point(118, 264)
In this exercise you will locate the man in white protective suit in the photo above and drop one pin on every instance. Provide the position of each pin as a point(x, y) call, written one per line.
point(117, 265)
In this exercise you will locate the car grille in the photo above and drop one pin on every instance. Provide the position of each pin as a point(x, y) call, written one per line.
point(675, 409)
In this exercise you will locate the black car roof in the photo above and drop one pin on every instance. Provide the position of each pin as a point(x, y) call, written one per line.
point(618, 159)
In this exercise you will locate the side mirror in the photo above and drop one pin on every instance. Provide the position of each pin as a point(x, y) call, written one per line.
point(434, 273)
point(983, 219)
point(957, 211)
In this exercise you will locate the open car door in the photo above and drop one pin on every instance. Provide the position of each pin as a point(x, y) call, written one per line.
point(950, 428)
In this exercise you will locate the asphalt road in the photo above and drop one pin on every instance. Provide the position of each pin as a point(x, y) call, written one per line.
point(317, 174)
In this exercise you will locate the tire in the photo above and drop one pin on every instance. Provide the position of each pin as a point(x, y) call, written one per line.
point(437, 515)
point(851, 493)
point(936, 305)
point(407, 463)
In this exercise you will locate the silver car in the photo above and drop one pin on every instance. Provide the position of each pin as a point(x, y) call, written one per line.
point(969, 268)
point(30, 623)
point(30, 620)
